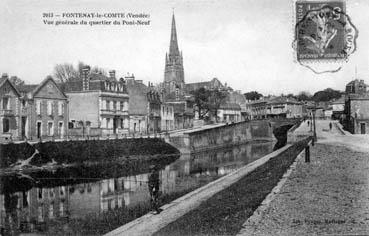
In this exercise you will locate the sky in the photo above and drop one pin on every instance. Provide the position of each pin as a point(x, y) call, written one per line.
point(244, 43)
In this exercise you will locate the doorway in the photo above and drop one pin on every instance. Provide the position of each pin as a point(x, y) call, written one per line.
point(23, 129)
point(39, 129)
point(362, 128)
point(61, 130)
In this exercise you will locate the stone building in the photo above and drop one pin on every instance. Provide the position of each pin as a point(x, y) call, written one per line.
point(356, 113)
point(238, 98)
point(145, 108)
point(98, 104)
point(11, 124)
point(167, 117)
point(356, 87)
point(338, 107)
point(138, 108)
point(229, 112)
point(183, 113)
point(44, 110)
point(276, 107)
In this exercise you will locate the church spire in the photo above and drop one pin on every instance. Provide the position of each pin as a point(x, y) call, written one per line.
point(174, 73)
point(173, 48)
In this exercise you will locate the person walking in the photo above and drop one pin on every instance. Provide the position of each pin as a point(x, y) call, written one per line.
point(154, 185)
point(330, 126)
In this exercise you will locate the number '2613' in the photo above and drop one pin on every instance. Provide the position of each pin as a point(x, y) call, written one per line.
point(50, 14)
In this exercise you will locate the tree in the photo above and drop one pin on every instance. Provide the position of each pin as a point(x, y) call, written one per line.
point(65, 72)
point(201, 96)
point(326, 95)
point(253, 95)
point(216, 98)
point(208, 101)
point(16, 80)
point(304, 96)
point(290, 95)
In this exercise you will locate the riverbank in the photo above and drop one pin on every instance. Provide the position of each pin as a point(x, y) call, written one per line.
point(225, 212)
point(83, 151)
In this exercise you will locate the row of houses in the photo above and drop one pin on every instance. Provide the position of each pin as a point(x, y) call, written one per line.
point(275, 107)
point(95, 105)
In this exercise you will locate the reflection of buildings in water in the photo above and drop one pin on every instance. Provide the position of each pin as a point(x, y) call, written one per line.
point(32, 210)
point(29, 211)
point(84, 199)
point(124, 192)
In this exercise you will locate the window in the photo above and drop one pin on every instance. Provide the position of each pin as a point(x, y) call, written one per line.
point(51, 211)
point(107, 105)
point(125, 106)
point(61, 208)
point(38, 107)
point(24, 104)
point(118, 106)
point(40, 193)
point(114, 105)
point(49, 108)
point(6, 103)
point(107, 122)
point(121, 106)
point(62, 190)
point(60, 108)
point(6, 125)
point(40, 214)
point(51, 193)
point(50, 128)
point(126, 123)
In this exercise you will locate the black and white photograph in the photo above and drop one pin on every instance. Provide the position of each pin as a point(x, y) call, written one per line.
point(184, 117)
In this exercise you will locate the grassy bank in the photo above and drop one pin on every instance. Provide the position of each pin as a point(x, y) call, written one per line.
point(84, 151)
point(226, 211)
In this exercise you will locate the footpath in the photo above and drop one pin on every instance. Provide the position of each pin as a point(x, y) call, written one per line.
point(328, 196)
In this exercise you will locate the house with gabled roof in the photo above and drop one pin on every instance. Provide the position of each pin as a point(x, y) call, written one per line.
point(10, 122)
point(44, 108)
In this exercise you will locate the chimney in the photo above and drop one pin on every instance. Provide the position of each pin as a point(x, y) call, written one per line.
point(85, 79)
point(4, 76)
point(112, 74)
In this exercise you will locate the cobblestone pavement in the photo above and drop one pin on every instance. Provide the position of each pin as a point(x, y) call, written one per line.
point(329, 195)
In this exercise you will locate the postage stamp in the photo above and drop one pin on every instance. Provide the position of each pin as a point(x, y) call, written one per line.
point(323, 32)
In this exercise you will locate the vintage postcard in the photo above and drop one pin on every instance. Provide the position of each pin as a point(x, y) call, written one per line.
point(184, 117)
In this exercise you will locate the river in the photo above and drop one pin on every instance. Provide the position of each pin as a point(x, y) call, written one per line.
point(96, 200)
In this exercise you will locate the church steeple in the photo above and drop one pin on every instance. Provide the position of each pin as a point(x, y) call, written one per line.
point(174, 73)
point(173, 48)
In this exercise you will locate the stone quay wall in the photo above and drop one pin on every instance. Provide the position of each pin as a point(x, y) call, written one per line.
point(231, 134)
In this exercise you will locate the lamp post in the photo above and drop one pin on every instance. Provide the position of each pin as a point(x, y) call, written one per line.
point(311, 121)
point(314, 110)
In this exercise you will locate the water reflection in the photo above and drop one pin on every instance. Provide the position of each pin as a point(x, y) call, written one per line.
point(40, 202)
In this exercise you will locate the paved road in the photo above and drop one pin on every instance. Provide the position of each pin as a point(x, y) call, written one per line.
point(329, 196)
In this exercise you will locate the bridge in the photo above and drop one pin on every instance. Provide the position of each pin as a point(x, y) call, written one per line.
point(225, 135)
